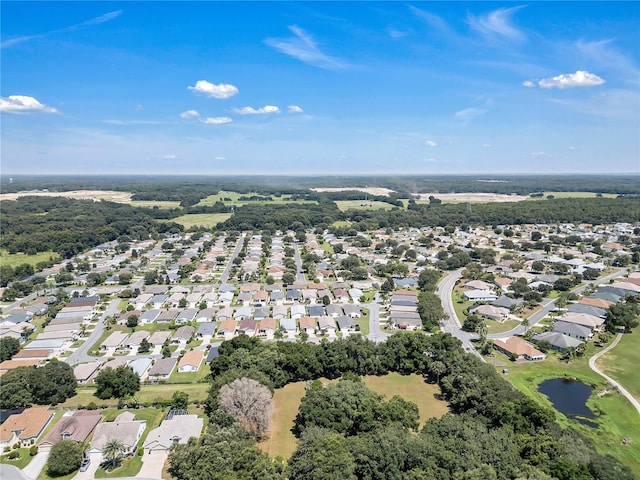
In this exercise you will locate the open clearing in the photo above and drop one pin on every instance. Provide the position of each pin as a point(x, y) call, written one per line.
point(287, 401)
point(206, 220)
point(370, 190)
point(112, 196)
point(15, 259)
point(345, 205)
point(233, 198)
point(574, 195)
point(471, 197)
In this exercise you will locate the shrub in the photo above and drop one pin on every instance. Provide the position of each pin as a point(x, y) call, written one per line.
point(140, 452)
point(92, 406)
point(33, 451)
point(16, 445)
point(14, 455)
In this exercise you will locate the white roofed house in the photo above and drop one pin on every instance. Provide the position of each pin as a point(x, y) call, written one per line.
point(183, 334)
point(124, 428)
point(136, 338)
point(115, 340)
point(327, 325)
point(176, 430)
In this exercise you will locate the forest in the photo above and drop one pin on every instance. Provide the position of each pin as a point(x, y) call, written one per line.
point(346, 431)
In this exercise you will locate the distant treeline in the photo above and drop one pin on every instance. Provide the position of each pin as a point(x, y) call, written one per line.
point(568, 210)
point(69, 227)
point(189, 190)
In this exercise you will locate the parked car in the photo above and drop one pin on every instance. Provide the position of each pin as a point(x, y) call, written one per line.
point(84, 466)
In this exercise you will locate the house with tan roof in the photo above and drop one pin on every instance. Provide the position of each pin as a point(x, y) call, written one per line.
point(11, 364)
point(25, 427)
point(518, 347)
point(596, 302)
point(72, 426)
point(115, 340)
point(176, 430)
point(190, 361)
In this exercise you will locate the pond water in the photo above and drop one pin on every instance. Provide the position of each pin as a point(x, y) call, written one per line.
point(569, 397)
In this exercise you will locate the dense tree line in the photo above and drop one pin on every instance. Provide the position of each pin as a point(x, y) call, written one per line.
point(345, 431)
point(69, 227)
point(48, 385)
point(148, 185)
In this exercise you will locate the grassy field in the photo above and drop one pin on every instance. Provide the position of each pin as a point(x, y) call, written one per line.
point(345, 205)
point(616, 417)
point(493, 326)
point(287, 401)
point(621, 363)
point(206, 220)
point(147, 394)
point(15, 259)
point(229, 198)
point(574, 195)
point(165, 205)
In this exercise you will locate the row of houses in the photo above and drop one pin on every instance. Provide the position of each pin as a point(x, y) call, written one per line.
point(25, 427)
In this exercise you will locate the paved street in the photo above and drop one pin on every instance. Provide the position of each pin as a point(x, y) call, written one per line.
point(225, 274)
point(81, 355)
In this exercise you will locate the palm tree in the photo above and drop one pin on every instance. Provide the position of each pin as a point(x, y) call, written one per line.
point(526, 324)
point(437, 368)
point(481, 328)
point(113, 450)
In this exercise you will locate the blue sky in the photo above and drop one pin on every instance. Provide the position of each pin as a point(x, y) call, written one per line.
point(320, 87)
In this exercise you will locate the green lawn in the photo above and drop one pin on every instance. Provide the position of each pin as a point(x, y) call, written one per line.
point(364, 322)
point(20, 462)
point(147, 394)
point(190, 377)
point(15, 259)
point(165, 205)
point(621, 362)
point(206, 220)
point(287, 401)
point(493, 326)
point(617, 419)
point(345, 205)
point(229, 198)
point(574, 195)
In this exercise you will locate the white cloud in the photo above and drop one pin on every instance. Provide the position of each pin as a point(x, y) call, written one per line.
point(303, 47)
point(497, 23)
point(170, 157)
point(487, 145)
point(430, 143)
point(220, 158)
point(267, 109)
point(469, 114)
point(221, 91)
point(528, 84)
point(429, 160)
point(216, 120)
point(294, 109)
point(538, 154)
point(572, 148)
point(94, 21)
point(189, 114)
point(23, 104)
point(581, 78)
point(395, 33)
point(139, 108)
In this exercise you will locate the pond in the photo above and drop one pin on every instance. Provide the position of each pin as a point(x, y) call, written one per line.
point(569, 397)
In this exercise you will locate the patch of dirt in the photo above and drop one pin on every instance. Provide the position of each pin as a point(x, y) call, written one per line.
point(370, 190)
point(95, 195)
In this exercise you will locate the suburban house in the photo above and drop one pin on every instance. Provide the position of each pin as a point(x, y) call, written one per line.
point(267, 327)
point(115, 340)
point(346, 324)
point(176, 430)
point(574, 330)
point(158, 338)
point(308, 324)
point(518, 347)
point(489, 311)
point(480, 295)
point(183, 334)
point(558, 341)
point(162, 369)
point(25, 427)
point(327, 325)
point(124, 428)
point(589, 321)
point(85, 371)
point(72, 426)
point(227, 329)
point(289, 324)
point(190, 361)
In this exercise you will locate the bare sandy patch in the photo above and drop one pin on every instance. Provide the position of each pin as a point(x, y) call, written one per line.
point(474, 197)
point(370, 190)
point(95, 195)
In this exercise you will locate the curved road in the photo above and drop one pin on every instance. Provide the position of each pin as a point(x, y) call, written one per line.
point(80, 354)
point(623, 391)
point(452, 324)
